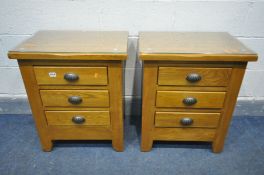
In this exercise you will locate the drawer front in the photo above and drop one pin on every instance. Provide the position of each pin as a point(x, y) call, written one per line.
point(75, 98)
point(88, 118)
point(184, 134)
point(183, 119)
point(187, 99)
point(194, 76)
point(71, 75)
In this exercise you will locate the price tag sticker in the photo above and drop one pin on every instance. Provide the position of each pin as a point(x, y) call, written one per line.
point(52, 74)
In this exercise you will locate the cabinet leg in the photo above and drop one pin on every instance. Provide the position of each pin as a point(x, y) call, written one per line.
point(118, 144)
point(47, 145)
point(217, 147)
point(116, 101)
point(146, 144)
point(150, 74)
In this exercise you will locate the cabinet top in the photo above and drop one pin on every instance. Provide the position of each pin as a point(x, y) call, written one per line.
point(79, 45)
point(193, 46)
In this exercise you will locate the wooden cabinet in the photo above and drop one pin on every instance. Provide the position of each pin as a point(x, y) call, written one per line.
point(74, 84)
point(191, 81)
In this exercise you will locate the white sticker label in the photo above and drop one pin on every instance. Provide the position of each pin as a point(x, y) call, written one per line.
point(52, 74)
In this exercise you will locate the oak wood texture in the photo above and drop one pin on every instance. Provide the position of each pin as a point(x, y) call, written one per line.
point(74, 108)
point(198, 110)
point(73, 87)
point(204, 99)
point(92, 118)
point(68, 45)
point(116, 101)
point(193, 46)
point(32, 90)
point(168, 57)
point(79, 133)
point(192, 88)
point(86, 75)
point(150, 73)
point(209, 76)
point(173, 119)
point(183, 134)
point(97, 59)
point(90, 98)
point(230, 102)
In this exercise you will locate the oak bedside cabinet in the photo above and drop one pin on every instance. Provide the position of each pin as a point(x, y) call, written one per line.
point(191, 81)
point(73, 81)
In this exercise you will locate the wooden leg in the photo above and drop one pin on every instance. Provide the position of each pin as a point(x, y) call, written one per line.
point(118, 133)
point(217, 147)
point(146, 143)
point(118, 144)
point(47, 145)
point(148, 105)
point(116, 105)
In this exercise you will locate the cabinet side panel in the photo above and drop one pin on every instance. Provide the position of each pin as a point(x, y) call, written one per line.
point(116, 104)
point(32, 90)
point(148, 104)
point(229, 105)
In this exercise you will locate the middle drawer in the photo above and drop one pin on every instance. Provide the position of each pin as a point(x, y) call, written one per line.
point(75, 98)
point(188, 76)
point(184, 99)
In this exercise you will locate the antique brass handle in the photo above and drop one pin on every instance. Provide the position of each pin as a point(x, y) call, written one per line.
point(71, 77)
point(189, 101)
point(186, 121)
point(193, 77)
point(78, 119)
point(75, 99)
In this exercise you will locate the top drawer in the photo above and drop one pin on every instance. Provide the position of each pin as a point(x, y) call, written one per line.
point(186, 76)
point(46, 75)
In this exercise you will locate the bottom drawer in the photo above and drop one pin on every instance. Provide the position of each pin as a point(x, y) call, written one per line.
point(89, 118)
point(184, 134)
point(183, 119)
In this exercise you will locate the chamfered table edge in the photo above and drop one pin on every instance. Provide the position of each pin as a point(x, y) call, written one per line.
point(66, 56)
point(198, 57)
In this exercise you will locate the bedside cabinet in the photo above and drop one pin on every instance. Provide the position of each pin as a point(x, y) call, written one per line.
point(190, 85)
point(73, 81)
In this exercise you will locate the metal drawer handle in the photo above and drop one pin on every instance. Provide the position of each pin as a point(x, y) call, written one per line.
point(71, 77)
point(186, 121)
point(193, 77)
point(75, 100)
point(189, 101)
point(78, 119)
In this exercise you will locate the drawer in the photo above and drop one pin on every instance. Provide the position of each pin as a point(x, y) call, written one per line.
point(186, 76)
point(188, 99)
point(71, 75)
point(184, 134)
point(75, 98)
point(183, 119)
point(89, 118)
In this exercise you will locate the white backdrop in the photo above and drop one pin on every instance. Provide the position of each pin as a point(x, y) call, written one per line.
point(244, 19)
